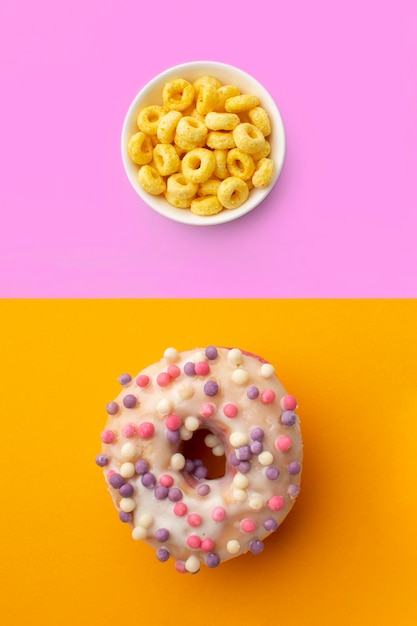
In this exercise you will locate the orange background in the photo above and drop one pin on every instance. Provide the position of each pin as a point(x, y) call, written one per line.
point(346, 554)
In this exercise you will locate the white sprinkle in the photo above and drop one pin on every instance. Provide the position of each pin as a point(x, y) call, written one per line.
point(185, 391)
point(145, 520)
point(171, 354)
point(240, 495)
point(192, 423)
point(218, 450)
point(186, 435)
point(128, 451)
point(177, 461)
point(265, 458)
point(192, 564)
point(240, 377)
point(164, 406)
point(238, 439)
point(138, 533)
point(127, 504)
point(241, 481)
point(233, 546)
point(211, 440)
point(234, 356)
point(127, 470)
point(267, 370)
point(256, 502)
point(199, 357)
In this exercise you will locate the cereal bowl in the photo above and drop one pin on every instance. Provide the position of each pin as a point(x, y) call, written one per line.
point(151, 94)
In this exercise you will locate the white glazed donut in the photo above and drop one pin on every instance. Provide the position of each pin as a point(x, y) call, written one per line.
point(196, 511)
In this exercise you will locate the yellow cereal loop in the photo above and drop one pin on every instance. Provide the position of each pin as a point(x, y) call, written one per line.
point(148, 118)
point(187, 145)
point(198, 165)
point(221, 121)
point(206, 205)
point(224, 93)
point(206, 98)
point(259, 118)
point(167, 126)
point(180, 203)
point(262, 153)
point(210, 80)
point(191, 129)
point(263, 173)
point(209, 188)
point(179, 187)
point(233, 192)
point(221, 171)
point(177, 95)
point(220, 139)
point(140, 148)
point(166, 159)
point(244, 102)
point(248, 138)
point(151, 181)
point(240, 164)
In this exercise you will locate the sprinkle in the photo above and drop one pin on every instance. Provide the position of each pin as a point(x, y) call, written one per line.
point(244, 453)
point(283, 443)
point(234, 460)
point(148, 480)
point(164, 406)
point(257, 434)
point(288, 418)
point(102, 460)
point(180, 509)
point(142, 380)
point(267, 370)
point(244, 467)
point(128, 431)
point(252, 392)
point(163, 379)
point(276, 503)
point(107, 436)
point(211, 353)
point(203, 490)
point(218, 450)
point(192, 564)
point(180, 567)
point(128, 451)
point(166, 480)
point(124, 379)
point(194, 520)
point(218, 514)
point(177, 461)
point(234, 356)
point(127, 504)
point(192, 423)
point(141, 467)
point(270, 524)
point(162, 554)
point(230, 410)
point(256, 546)
point(211, 440)
point(240, 377)
point(272, 472)
point(199, 357)
point(116, 481)
point(256, 502)
point(174, 494)
point(171, 354)
point(212, 560)
point(267, 396)
point(202, 368)
point(233, 546)
point(139, 533)
point(161, 492)
point(238, 439)
point(240, 495)
point(173, 436)
point(173, 371)
point(294, 468)
point(130, 401)
point(240, 481)
point(126, 490)
point(185, 434)
point(127, 470)
point(189, 369)
point(194, 541)
point(265, 458)
point(146, 430)
point(207, 545)
point(162, 534)
point(146, 520)
point(289, 403)
point(293, 491)
point(247, 526)
point(256, 447)
point(211, 388)
point(201, 472)
point(173, 422)
point(125, 517)
point(112, 408)
point(207, 409)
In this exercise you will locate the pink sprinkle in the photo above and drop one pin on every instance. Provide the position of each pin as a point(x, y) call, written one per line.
point(163, 379)
point(146, 430)
point(283, 443)
point(230, 410)
point(180, 567)
point(174, 371)
point(202, 368)
point(289, 403)
point(142, 380)
point(110, 473)
point(248, 526)
point(267, 396)
point(207, 409)
point(218, 514)
point(173, 422)
point(128, 431)
point(166, 480)
point(207, 545)
point(180, 509)
point(276, 503)
point(194, 541)
point(107, 436)
point(194, 520)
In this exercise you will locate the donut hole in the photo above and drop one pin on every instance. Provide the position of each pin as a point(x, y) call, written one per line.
point(196, 449)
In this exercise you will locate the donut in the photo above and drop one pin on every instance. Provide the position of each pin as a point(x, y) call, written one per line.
point(202, 455)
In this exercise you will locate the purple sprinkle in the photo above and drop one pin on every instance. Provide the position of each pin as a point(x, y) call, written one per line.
point(252, 392)
point(189, 369)
point(288, 418)
point(234, 460)
point(256, 546)
point(243, 453)
point(148, 480)
point(124, 379)
point(197, 462)
point(141, 467)
point(112, 408)
point(203, 490)
point(211, 388)
point(102, 460)
point(174, 494)
point(130, 401)
point(270, 524)
point(244, 467)
point(116, 481)
point(257, 434)
point(256, 447)
point(212, 560)
point(125, 517)
point(162, 534)
point(162, 554)
point(272, 472)
point(200, 472)
point(211, 353)
point(293, 491)
point(189, 466)
point(126, 490)
point(161, 492)
point(173, 436)
point(294, 468)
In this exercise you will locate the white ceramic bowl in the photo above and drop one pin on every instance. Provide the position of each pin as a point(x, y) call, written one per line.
point(227, 74)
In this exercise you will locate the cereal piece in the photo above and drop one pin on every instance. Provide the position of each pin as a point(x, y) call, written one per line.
point(198, 165)
point(221, 121)
point(262, 153)
point(186, 145)
point(263, 173)
point(191, 129)
point(244, 102)
point(178, 186)
point(224, 93)
point(149, 117)
point(167, 126)
point(166, 159)
point(209, 187)
point(221, 171)
point(179, 203)
point(240, 164)
point(259, 118)
point(177, 95)
point(206, 98)
point(211, 80)
point(151, 181)
point(140, 148)
point(233, 192)
point(220, 140)
point(248, 138)
point(206, 205)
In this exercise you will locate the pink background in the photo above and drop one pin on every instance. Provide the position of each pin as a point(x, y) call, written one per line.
point(342, 219)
